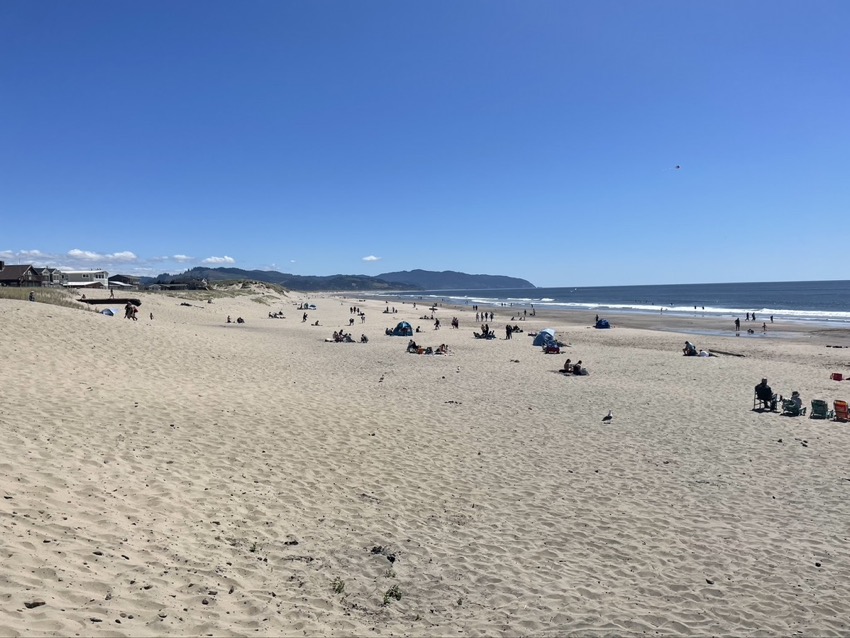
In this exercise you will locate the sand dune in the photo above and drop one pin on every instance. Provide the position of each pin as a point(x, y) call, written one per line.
point(184, 476)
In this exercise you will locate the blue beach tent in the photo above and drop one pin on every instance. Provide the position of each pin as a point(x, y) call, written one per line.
point(603, 324)
point(403, 329)
point(545, 337)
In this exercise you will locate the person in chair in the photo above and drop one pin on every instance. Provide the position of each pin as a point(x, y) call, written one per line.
point(765, 395)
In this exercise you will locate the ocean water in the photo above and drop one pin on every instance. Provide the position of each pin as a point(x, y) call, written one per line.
point(806, 301)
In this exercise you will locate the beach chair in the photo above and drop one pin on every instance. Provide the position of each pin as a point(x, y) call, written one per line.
point(762, 404)
point(789, 408)
point(841, 411)
point(820, 410)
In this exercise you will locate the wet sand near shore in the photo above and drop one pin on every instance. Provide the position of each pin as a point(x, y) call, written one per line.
point(698, 324)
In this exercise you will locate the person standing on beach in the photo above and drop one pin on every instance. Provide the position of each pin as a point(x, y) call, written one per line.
point(508, 331)
point(737, 324)
point(764, 328)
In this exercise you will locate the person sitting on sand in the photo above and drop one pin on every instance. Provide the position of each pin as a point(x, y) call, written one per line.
point(690, 349)
point(364, 339)
point(412, 347)
point(442, 349)
point(228, 319)
point(765, 395)
point(240, 320)
point(796, 400)
point(579, 370)
point(568, 367)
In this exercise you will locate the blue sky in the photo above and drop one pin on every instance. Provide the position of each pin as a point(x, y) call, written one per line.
point(533, 139)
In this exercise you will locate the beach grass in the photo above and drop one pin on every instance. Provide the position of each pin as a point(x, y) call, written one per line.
point(53, 296)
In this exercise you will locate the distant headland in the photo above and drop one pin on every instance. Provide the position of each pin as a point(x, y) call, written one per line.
point(401, 280)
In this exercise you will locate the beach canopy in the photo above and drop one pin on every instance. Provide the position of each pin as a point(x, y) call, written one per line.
point(603, 324)
point(403, 329)
point(545, 337)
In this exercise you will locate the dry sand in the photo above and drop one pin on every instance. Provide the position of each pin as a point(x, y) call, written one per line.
point(182, 476)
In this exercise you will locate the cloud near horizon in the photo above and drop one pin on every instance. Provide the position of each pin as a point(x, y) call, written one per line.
point(123, 260)
point(219, 260)
point(124, 256)
point(24, 254)
point(371, 258)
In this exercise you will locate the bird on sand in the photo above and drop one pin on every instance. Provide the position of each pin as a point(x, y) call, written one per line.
point(609, 417)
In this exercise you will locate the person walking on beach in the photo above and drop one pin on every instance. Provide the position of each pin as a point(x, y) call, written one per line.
point(508, 330)
point(764, 328)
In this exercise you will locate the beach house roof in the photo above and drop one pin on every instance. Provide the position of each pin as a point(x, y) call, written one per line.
point(18, 275)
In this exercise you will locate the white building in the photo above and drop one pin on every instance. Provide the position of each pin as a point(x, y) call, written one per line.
point(85, 278)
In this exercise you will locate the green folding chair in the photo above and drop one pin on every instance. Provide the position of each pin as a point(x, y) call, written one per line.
point(820, 410)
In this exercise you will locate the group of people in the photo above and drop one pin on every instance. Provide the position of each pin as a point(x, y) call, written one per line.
point(750, 330)
point(769, 400)
point(484, 316)
point(342, 337)
point(511, 329)
point(414, 348)
point(574, 368)
point(485, 333)
point(276, 315)
point(690, 350)
point(238, 319)
point(131, 311)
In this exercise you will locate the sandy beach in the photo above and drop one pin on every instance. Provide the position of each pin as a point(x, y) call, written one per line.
point(185, 476)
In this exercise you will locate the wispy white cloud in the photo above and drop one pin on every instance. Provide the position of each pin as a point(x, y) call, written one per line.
point(181, 259)
point(26, 255)
point(371, 258)
point(124, 256)
point(34, 254)
point(219, 260)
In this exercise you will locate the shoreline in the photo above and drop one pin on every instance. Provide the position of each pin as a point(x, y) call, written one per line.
point(703, 326)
